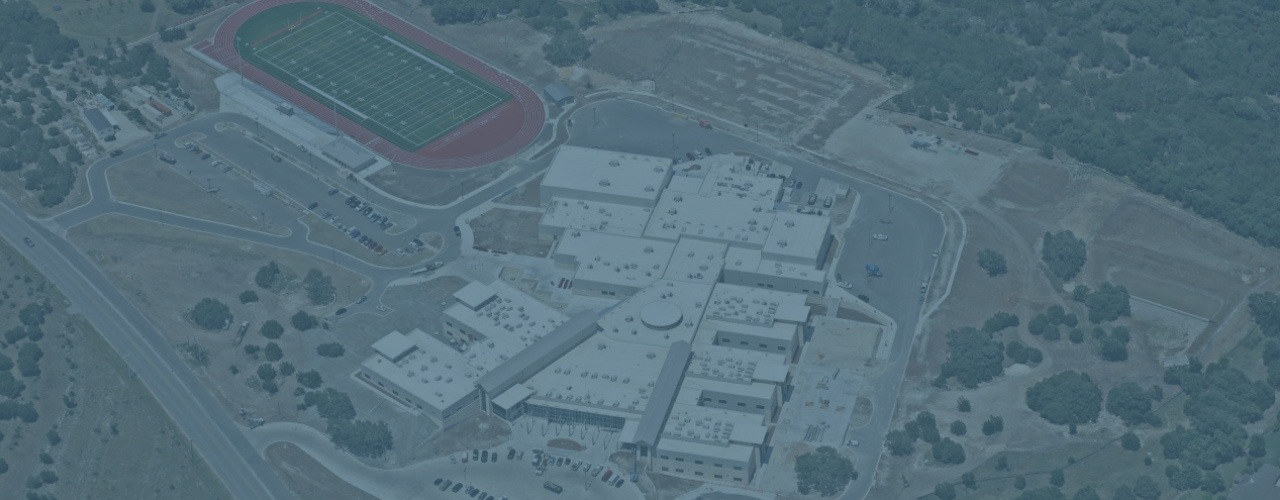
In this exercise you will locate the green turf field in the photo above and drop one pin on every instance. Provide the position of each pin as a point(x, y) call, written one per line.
point(376, 78)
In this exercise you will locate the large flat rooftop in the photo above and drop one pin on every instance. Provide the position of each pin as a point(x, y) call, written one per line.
point(647, 316)
point(613, 259)
point(431, 371)
point(606, 175)
point(582, 215)
point(508, 321)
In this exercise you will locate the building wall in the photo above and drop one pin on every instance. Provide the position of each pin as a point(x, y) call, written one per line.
point(740, 340)
point(739, 402)
point(703, 468)
point(466, 407)
point(814, 287)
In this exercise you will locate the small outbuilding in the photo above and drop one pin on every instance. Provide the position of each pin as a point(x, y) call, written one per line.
point(559, 94)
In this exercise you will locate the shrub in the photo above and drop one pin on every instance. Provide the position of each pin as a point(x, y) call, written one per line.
point(331, 350)
point(303, 321)
point(331, 404)
point(992, 262)
point(310, 379)
point(286, 369)
point(248, 297)
point(273, 352)
point(824, 471)
point(266, 372)
point(1063, 253)
point(963, 405)
point(268, 275)
point(1130, 441)
point(361, 438)
point(992, 425)
point(1066, 398)
point(958, 428)
point(320, 290)
point(948, 452)
point(210, 314)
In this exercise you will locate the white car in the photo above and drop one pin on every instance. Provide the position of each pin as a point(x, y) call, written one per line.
point(845, 284)
point(382, 308)
point(880, 236)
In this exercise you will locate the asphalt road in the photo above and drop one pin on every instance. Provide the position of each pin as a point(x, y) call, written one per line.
point(188, 403)
point(906, 259)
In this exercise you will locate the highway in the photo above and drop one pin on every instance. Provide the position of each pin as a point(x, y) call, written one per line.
point(188, 403)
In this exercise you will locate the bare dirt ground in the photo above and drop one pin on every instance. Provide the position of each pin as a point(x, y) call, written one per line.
point(781, 87)
point(156, 267)
point(525, 195)
point(95, 24)
point(195, 76)
point(478, 433)
point(433, 187)
point(114, 439)
point(513, 231)
point(307, 477)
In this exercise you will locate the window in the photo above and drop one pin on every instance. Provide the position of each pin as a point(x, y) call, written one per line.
point(782, 348)
point(743, 342)
point(764, 345)
point(719, 465)
point(664, 457)
point(697, 473)
point(737, 467)
point(742, 404)
point(723, 402)
point(759, 407)
point(664, 468)
point(706, 400)
point(699, 462)
point(679, 459)
point(680, 471)
point(738, 479)
point(718, 476)
point(380, 384)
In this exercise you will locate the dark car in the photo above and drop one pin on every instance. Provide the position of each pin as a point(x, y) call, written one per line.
point(437, 482)
point(333, 191)
point(707, 150)
point(511, 453)
point(457, 487)
point(161, 134)
point(457, 231)
point(484, 456)
point(690, 156)
point(340, 311)
point(29, 243)
point(312, 206)
point(204, 156)
point(355, 234)
point(474, 493)
point(362, 299)
point(475, 454)
point(116, 152)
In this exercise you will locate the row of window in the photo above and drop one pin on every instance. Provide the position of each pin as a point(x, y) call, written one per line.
point(698, 462)
point(698, 473)
point(743, 342)
point(723, 402)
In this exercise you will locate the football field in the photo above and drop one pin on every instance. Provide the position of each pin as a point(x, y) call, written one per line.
point(361, 70)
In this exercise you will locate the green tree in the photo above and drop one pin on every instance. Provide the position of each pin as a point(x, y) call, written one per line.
point(1063, 253)
point(1257, 446)
point(958, 428)
point(963, 405)
point(361, 438)
point(992, 425)
point(1002, 463)
point(210, 314)
point(824, 471)
point(320, 290)
point(286, 369)
point(303, 321)
point(928, 427)
point(1038, 324)
point(29, 356)
point(273, 352)
point(1108, 303)
point(248, 296)
point(566, 48)
point(330, 404)
point(272, 329)
point(969, 480)
point(1086, 493)
point(1265, 310)
point(944, 491)
point(147, 6)
point(992, 262)
point(999, 321)
point(1130, 402)
point(1146, 488)
point(268, 275)
point(266, 372)
point(1020, 482)
point(973, 356)
point(331, 350)
point(310, 379)
point(1066, 398)
point(948, 452)
point(900, 444)
point(1212, 483)
point(1057, 478)
point(1130, 441)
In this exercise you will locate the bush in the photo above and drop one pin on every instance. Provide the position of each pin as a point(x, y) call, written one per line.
point(319, 287)
point(331, 350)
point(958, 428)
point(973, 357)
point(1108, 303)
point(1130, 441)
point(999, 321)
point(310, 379)
point(248, 297)
point(331, 404)
point(266, 372)
point(173, 34)
point(963, 405)
point(303, 321)
point(271, 329)
point(1076, 335)
point(48, 476)
point(900, 443)
point(1063, 254)
point(948, 452)
point(1130, 402)
point(566, 48)
point(267, 275)
point(210, 314)
point(1020, 482)
point(286, 369)
point(273, 352)
point(10, 387)
point(1066, 398)
point(927, 426)
point(46, 458)
point(1058, 478)
point(992, 262)
point(53, 437)
point(29, 360)
point(361, 438)
point(1038, 324)
point(187, 7)
point(944, 491)
point(992, 425)
point(1113, 350)
point(1265, 310)
point(824, 471)
point(33, 314)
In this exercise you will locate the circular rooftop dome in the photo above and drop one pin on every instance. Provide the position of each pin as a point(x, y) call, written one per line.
point(661, 315)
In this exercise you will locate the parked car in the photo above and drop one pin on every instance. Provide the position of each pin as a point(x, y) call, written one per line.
point(312, 206)
point(457, 487)
point(511, 453)
point(690, 156)
point(205, 156)
point(333, 191)
point(618, 481)
point(28, 242)
point(813, 198)
point(484, 456)
point(707, 150)
point(880, 236)
point(445, 485)
point(595, 471)
point(607, 474)
point(845, 285)
point(116, 152)
point(552, 487)
point(437, 482)
point(340, 311)
point(457, 231)
point(362, 299)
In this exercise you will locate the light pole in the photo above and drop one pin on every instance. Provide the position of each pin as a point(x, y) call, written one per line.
point(673, 142)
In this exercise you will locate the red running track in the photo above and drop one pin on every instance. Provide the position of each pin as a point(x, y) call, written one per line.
point(488, 138)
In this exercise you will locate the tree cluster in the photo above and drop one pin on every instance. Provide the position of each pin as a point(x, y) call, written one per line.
point(1220, 401)
point(823, 470)
point(1066, 398)
point(210, 314)
point(992, 262)
point(1063, 253)
point(1107, 303)
point(973, 356)
point(1132, 404)
point(319, 287)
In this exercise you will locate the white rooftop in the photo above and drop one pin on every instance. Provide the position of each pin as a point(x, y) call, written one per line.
point(696, 261)
point(752, 306)
point(474, 294)
point(734, 452)
point(606, 175)
point(736, 365)
point(702, 424)
point(602, 373)
point(734, 220)
point(614, 259)
point(692, 389)
point(797, 237)
point(394, 345)
point(613, 218)
point(626, 320)
point(753, 261)
point(507, 324)
point(435, 372)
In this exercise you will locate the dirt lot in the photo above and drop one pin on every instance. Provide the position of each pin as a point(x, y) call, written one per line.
point(307, 478)
point(96, 23)
point(514, 231)
point(525, 195)
point(155, 268)
point(114, 439)
point(785, 89)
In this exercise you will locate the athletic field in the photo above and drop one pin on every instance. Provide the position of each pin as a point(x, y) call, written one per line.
point(360, 69)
